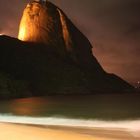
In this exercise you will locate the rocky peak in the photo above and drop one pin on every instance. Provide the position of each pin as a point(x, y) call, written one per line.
point(43, 22)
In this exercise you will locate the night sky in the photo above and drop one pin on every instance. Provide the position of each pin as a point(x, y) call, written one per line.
point(112, 26)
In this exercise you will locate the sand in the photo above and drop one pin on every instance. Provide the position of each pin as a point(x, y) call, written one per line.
point(28, 132)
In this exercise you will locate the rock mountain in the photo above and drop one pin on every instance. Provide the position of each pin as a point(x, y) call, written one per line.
point(53, 57)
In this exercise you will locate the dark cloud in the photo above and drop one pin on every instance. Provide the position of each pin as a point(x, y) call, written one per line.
point(113, 27)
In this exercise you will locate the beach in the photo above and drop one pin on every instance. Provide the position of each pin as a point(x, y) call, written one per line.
point(98, 117)
point(9, 131)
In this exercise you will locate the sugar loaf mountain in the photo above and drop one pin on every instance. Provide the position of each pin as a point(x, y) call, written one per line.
point(51, 56)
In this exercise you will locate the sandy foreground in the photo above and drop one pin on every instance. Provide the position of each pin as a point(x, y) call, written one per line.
point(29, 132)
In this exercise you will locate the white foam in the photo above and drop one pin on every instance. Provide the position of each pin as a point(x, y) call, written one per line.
point(132, 126)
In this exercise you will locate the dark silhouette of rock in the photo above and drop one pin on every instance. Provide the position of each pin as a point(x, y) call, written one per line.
point(47, 72)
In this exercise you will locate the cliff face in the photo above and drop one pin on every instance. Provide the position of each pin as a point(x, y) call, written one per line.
point(41, 23)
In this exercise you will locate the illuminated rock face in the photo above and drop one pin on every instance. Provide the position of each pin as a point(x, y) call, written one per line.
point(41, 23)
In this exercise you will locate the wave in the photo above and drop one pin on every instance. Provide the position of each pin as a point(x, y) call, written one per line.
point(131, 126)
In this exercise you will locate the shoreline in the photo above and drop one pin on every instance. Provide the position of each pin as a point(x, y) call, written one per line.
point(43, 132)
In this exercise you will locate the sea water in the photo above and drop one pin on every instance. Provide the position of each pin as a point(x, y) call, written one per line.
point(112, 111)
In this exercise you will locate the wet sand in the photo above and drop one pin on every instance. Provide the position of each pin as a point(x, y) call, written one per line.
point(31, 132)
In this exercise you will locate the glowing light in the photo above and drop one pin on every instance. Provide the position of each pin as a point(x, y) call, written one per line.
point(22, 34)
point(1, 34)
